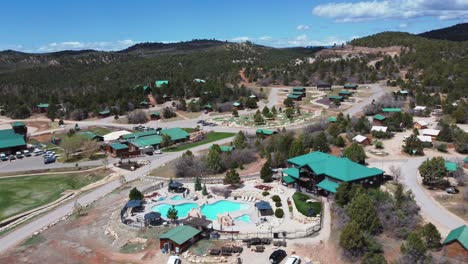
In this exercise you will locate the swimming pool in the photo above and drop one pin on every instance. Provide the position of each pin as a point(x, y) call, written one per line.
point(177, 198)
point(182, 209)
point(244, 218)
point(220, 207)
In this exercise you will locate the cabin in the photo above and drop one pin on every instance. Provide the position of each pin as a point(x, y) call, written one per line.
point(237, 105)
point(264, 132)
point(322, 173)
point(362, 140)
point(153, 138)
point(332, 119)
point(113, 136)
point(350, 86)
point(104, 113)
point(42, 107)
point(155, 115)
point(91, 136)
point(199, 80)
point(11, 142)
point(295, 97)
point(421, 124)
point(179, 239)
point(208, 108)
point(301, 94)
point(391, 110)
point(379, 129)
point(426, 140)
point(161, 83)
point(200, 223)
point(433, 133)
point(336, 97)
point(378, 119)
point(117, 150)
point(299, 91)
point(345, 94)
point(455, 245)
point(323, 86)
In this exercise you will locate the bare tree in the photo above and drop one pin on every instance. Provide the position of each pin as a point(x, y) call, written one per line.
point(137, 117)
point(71, 145)
point(77, 208)
point(90, 147)
point(396, 172)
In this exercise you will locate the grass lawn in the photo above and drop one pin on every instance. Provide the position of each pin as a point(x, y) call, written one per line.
point(302, 206)
point(22, 194)
point(99, 130)
point(210, 137)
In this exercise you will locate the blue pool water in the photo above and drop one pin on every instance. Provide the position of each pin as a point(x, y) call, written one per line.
point(220, 207)
point(244, 218)
point(182, 209)
point(177, 198)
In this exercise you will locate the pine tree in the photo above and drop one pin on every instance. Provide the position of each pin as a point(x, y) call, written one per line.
point(265, 111)
point(265, 173)
point(361, 210)
point(321, 144)
point(232, 177)
point(204, 191)
point(135, 194)
point(274, 111)
point(198, 186)
point(340, 142)
point(258, 118)
point(356, 153)
point(172, 213)
point(352, 239)
point(235, 113)
point(297, 148)
point(214, 161)
point(240, 141)
point(431, 236)
point(413, 146)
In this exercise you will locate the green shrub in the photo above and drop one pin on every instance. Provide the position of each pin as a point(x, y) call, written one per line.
point(379, 145)
point(278, 204)
point(265, 193)
point(442, 147)
point(276, 198)
point(279, 213)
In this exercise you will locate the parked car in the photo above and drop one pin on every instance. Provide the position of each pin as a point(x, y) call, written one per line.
point(452, 190)
point(293, 260)
point(49, 159)
point(12, 157)
point(27, 153)
point(37, 152)
point(174, 260)
point(3, 157)
point(19, 155)
point(277, 256)
point(158, 151)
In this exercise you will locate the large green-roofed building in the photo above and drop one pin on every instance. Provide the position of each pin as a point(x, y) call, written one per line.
point(10, 142)
point(154, 137)
point(459, 235)
point(321, 171)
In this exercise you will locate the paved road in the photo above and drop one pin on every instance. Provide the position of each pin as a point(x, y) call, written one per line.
point(430, 209)
point(377, 91)
point(24, 231)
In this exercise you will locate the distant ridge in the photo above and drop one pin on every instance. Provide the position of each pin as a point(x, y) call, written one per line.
point(457, 32)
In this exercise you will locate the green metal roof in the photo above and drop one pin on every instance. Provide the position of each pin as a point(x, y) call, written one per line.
point(9, 139)
point(294, 96)
point(332, 119)
point(298, 89)
point(208, 106)
point(118, 146)
point(341, 169)
point(17, 124)
point(297, 93)
point(335, 97)
point(391, 110)
point(236, 104)
point(379, 117)
point(346, 92)
point(144, 103)
point(175, 133)
point(104, 112)
point(450, 166)
point(226, 148)
point(146, 87)
point(139, 134)
point(288, 179)
point(328, 185)
point(350, 85)
point(199, 80)
point(459, 234)
point(293, 172)
point(160, 83)
point(42, 105)
point(404, 92)
point(180, 234)
point(466, 159)
point(265, 132)
point(156, 113)
point(146, 141)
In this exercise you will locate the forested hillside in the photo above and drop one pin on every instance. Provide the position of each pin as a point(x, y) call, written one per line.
point(458, 32)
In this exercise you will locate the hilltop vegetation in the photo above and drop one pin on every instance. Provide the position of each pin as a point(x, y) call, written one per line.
point(458, 32)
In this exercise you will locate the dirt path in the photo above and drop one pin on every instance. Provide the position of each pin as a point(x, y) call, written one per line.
point(151, 99)
point(245, 80)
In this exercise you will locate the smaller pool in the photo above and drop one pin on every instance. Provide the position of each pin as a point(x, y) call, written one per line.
point(244, 218)
point(177, 198)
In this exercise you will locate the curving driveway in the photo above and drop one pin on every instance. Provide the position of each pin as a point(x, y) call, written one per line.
point(431, 210)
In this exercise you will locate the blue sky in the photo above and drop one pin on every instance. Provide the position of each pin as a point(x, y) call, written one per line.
point(50, 25)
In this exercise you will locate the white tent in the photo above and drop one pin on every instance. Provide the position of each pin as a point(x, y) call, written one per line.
point(379, 128)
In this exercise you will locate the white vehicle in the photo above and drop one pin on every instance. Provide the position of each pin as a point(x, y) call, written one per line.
point(293, 260)
point(158, 151)
point(27, 153)
point(174, 260)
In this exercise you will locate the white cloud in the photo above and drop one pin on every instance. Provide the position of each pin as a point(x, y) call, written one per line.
point(240, 39)
point(394, 9)
point(299, 41)
point(302, 27)
point(77, 45)
point(265, 38)
point(403, 25)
